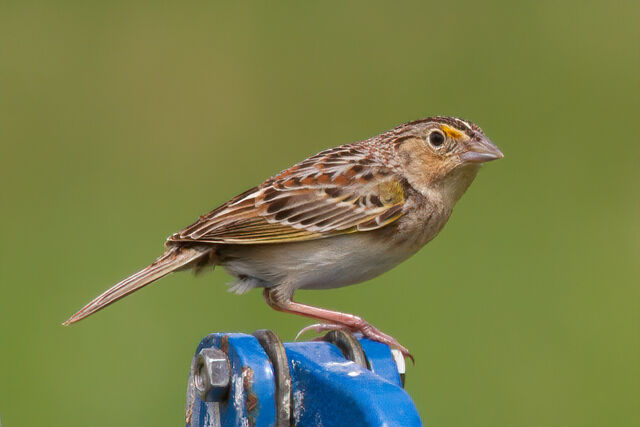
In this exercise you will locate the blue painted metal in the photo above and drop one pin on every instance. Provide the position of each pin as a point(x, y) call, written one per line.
point(251, 400)
point(381, 361)
point(332, 391)
point(327, 389)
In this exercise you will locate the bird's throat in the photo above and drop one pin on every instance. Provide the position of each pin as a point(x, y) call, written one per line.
point(449, 190)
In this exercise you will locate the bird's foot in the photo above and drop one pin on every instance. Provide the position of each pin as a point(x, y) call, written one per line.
point(366, 329)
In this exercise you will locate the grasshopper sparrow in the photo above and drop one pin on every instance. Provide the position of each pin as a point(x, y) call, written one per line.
point(340, 217)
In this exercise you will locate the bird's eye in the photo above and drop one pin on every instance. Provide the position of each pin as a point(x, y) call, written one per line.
point(436, 138)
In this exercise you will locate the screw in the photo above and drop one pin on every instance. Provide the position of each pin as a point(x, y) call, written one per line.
point(212, 375)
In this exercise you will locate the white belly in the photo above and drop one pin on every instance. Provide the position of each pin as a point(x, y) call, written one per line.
point(322, 264)
point(318, 264)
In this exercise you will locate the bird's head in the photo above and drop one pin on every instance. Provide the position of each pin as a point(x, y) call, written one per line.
point(443, 154)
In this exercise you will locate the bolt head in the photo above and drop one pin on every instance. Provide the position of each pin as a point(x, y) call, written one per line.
point(212, 375)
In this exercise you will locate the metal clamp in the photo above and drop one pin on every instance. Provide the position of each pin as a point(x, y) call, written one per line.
point(256, 380)
point(348, 345)
point(274, 348)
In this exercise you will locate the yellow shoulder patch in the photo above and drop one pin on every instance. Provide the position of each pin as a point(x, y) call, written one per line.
point(391, 192)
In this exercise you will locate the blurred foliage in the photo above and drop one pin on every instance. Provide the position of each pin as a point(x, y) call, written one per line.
point(121, 122)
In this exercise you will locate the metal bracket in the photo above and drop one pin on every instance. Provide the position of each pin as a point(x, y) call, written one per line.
point(256, 380)
point(276, 352)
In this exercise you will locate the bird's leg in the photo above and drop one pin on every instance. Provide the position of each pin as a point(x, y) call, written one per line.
point(340, 320)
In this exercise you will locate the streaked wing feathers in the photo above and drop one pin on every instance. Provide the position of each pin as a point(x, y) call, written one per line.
point(337, 191)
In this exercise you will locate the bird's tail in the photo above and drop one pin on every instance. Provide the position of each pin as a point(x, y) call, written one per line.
point(173, 259)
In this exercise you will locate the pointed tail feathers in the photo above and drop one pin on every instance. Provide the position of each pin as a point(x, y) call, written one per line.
point(172, 260)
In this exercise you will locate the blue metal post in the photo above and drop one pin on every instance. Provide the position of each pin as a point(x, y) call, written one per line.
point(321, 387)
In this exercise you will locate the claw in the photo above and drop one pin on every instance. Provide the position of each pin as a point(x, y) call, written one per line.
point(393, 343)
point(368, 331)
point(321, 327)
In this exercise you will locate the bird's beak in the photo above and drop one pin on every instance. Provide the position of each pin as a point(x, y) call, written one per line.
point(480, 151)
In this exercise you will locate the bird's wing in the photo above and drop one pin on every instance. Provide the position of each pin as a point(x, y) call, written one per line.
point(337, 191)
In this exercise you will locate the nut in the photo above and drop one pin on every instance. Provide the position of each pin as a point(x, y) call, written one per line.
point(212, 375)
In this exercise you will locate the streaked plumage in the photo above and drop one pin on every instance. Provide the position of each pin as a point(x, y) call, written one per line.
point(340, 217)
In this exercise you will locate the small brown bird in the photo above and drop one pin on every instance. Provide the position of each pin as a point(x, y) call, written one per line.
point(340, 217)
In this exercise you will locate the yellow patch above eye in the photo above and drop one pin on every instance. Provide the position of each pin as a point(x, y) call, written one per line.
point(451, 132)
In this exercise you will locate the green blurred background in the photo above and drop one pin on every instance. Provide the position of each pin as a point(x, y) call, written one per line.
point(121, 122)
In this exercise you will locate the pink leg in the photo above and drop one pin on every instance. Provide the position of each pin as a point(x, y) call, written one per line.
point(341, 320)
